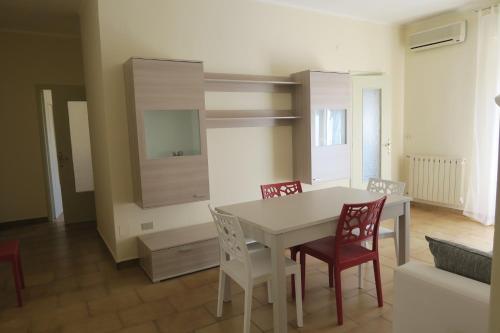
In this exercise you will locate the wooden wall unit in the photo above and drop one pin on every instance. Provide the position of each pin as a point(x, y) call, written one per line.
point(170, 91)
point(154, 86)
point(320, 92)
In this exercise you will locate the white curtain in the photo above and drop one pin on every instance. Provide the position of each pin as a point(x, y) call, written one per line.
point(480, 199)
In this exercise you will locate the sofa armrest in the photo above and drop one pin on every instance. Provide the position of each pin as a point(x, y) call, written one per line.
point(431, 300)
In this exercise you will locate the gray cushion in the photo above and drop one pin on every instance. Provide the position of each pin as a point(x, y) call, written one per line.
point(461, 260)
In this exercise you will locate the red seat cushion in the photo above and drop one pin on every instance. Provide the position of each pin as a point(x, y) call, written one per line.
point(325, 248)
point(8, 249)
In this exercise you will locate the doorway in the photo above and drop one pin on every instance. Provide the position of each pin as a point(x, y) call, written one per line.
point(67, 153)
point(371, 141)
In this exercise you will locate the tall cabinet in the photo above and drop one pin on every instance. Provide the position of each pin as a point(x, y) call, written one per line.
point(166, 111)
point(321, 134)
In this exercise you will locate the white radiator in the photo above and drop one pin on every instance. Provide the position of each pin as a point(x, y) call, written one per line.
point(437, 180)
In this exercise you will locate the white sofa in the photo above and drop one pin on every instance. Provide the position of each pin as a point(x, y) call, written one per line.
point(431, 300)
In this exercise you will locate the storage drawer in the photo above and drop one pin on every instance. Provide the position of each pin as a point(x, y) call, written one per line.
point(183, 259)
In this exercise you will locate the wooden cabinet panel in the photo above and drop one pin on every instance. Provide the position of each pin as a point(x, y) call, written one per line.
point(169, 91)
point(171, 253)
point(322, 136)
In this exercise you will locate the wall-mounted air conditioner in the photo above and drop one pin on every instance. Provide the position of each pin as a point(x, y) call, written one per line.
point(445, 35)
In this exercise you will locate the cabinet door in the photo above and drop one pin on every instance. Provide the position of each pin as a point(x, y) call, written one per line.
point(330, 126)
point(171, 134)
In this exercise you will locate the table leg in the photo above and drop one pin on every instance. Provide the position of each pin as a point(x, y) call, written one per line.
point(404, 235)
point(278, 284)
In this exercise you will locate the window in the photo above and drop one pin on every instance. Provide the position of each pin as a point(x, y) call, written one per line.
point(330, 127)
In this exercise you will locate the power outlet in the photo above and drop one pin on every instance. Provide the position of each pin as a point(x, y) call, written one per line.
point(147, 226)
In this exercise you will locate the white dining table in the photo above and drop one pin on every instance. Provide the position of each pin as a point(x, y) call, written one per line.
point(283, 222)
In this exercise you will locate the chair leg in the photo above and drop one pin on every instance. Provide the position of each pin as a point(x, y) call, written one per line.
point(303, 273)
point(330, 275)
point(220, 297)
point(269, 292)
point(248, 308)
point(396, 239)
point(338, 296)
point(21, 273)
point(293, 255)
point(17, 281)
point(378, 282)
point(361, 276)
point(298, 300)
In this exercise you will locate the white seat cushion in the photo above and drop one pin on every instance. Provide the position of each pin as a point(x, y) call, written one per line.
point(261, 266)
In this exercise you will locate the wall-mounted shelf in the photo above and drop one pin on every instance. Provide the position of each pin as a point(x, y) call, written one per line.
point(249, 118)
point(248, 83)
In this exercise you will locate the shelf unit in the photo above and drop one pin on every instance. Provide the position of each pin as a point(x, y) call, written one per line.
point(221, 82)
point(249, 118)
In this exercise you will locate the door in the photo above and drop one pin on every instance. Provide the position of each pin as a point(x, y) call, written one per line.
point(78, 206)
point(371, 150)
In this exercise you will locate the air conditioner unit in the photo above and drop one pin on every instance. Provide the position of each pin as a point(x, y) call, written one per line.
point(445, 35)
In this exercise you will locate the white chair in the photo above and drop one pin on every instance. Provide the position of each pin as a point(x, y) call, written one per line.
point(386, 187)
point(247, 268)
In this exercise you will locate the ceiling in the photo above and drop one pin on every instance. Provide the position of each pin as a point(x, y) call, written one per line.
point(61, 16)
point(382, 11)
point(46, 16)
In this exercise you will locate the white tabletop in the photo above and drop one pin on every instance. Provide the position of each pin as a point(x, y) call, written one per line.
point(283, 214)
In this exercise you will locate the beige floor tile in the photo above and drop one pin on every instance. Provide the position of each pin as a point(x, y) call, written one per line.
point(160, 290)
point(54, 318)
point(263, 316)
point(233, 308)
point(193, 298)
point(291, 329)
point(91, 279)
point(39, 278)
point(40, 304)
point(201, 279)
point(387, 292)
point(363, 308)
point(114, 302)
point(386, 273)
point(100, 324)
point(85, 294)
point(186, 321)
point(146, 312)
point(14, 325)
point(148, 327)
point(230, 325)
point(378, 325)
point(326, 319)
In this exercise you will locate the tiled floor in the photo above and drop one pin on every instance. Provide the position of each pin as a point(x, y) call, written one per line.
point(73, 286)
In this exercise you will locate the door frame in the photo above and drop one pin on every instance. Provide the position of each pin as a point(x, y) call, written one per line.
point(39, 88)
point(385, 128)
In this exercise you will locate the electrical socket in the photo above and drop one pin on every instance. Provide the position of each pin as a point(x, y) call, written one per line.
point(147, 226)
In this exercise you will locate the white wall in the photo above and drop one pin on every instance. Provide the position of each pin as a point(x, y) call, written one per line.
point(233, 36)
point(439, 93)
point(28, 60)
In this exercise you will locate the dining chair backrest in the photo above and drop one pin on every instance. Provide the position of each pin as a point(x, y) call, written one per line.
point(386, 187)
point(359, 222)
point(280, 189)
point(231, 238)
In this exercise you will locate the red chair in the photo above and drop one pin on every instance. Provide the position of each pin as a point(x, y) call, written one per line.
point(277, 190)
point(357, 223)
point(9, 251)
